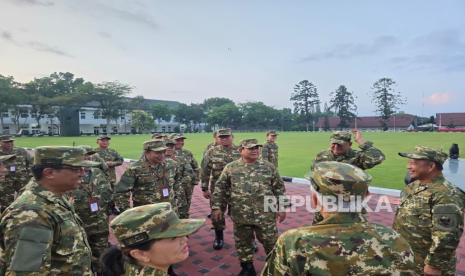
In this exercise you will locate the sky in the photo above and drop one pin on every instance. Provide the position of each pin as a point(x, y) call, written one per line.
point(245, 50)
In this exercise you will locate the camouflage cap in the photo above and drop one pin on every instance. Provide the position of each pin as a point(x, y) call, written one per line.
point(155, 145)
point(103, 137)
point(159, 136)
point(153, 221)
point(272, 133)
point(250, 143)
point(179, 136)
point(62, 156)
point(87, 149)
point(6, 157)
point(336, 178)
point(6, 138)
point(340, 137)
point(169, 141)
point(426, 153)
point(224, 132)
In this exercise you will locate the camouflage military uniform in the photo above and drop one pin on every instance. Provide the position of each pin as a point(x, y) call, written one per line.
point(40, 232)
point(19, 174)
point(430, 217)
point(148, 183)
point(91, 201)
point(213, 163)
point(209, 146)
point(112, 156)
point(270, 153)
point(188, 158)
point(367, 158)
point(344, 243)
point(148, 222)
point(245, 186)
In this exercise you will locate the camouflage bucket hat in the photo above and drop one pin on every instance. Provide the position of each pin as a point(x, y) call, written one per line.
point(88, 150)
point(272, 133)
point(179, 136)
point(155, 145)
point(223, 132)
point(426, 153)
point(153, 221)
point(250, 143)
point(336, 178)
point(169, 141)
point(6, 138)
point(6, 157)
point(159, 136)
point(104, 136)
point(62, 156)
point(340, 137)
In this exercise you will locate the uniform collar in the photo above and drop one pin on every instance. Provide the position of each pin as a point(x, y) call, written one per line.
point(38, 190)
point(343, 218)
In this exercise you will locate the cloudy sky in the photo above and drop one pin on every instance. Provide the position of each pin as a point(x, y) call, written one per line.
point(246, 50)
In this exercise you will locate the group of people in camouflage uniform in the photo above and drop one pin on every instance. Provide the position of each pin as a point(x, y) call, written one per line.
point(57, 221)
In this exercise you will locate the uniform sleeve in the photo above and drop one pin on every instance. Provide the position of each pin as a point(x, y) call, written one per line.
point(222, 191)
point(278, 184)
point(447, 218)
point(265, 153)
point(27, 237)
point(319, 157)
point(195, 170)
point(105, 190)
point(205, 171)
point(369, 156)
point(123, 188)
point(276, 262)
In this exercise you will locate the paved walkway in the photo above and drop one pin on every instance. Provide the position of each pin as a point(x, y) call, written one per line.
point(204, 260)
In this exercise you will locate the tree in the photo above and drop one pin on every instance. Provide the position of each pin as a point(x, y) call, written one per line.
point(227, 115)
point(211, 103)
point(386, 99)
point(41, 93)
point(344, 105)
point(11, 96)
point(110, 97)
point(305, 98)
point(161, 111)
point(142, 121)
point(257, 115)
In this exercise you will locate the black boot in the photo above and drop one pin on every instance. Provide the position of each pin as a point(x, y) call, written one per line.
point(218, 243)
point(247, 269)
point(171, 271)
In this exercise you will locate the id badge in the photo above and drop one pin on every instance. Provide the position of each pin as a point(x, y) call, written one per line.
point(13, 168)
point(93, 205)
point(165, 192)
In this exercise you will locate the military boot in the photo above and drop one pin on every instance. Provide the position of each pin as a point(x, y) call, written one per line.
point(247, 269)
point(218, 243)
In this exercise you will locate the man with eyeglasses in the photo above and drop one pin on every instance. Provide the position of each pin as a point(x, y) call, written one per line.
point(246, 184)
point(40, 232)
point(213, 162)
point(151, 179)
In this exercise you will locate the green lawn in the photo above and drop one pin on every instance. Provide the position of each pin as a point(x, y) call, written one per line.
point(297, 149)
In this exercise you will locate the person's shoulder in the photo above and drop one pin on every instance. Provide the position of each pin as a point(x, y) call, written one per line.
point(265, 164)
point(235, 164)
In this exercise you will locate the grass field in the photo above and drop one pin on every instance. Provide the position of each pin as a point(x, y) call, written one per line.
point(296, 149)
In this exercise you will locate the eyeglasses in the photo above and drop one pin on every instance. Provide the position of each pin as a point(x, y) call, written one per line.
point(254, 148)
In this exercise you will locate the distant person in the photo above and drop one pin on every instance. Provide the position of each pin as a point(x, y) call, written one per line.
point(344, 243)
point(430, 214)
point(270, 148)
point(151, 239)
point(3, 167)
point(341, 151)
point(216, 142)
point(19, 171)
point(454, 152)
point(213, 163)
point(111, 156)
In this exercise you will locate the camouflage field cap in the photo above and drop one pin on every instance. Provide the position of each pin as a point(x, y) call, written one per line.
point(62, 156)
point(340, 137)
point(272, 133)
point(223, 132)
point(250, 143)
point(6, 138)
point(153, 221)
point(426, 153)
point(336, 178)
point(103, 137)
point(169, 142)
point(6, 157)
point(87, 149)
point(155, 145)
point(179, 136)
point(159, 136)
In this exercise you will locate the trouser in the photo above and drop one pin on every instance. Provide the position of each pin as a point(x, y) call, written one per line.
point(98, 244)
point(244, 236)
